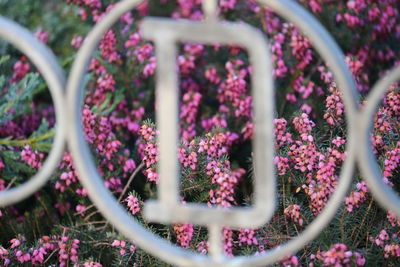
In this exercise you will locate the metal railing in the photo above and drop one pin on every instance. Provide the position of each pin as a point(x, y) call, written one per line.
point(67, 97)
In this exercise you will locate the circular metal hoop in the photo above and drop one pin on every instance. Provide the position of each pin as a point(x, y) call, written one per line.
point(125, 223)
point(366, 159)
point(47, 65)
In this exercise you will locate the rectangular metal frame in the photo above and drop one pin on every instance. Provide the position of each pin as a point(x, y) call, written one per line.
point(166, 34)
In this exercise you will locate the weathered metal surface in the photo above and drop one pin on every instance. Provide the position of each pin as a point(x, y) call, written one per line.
point(366, 158)
point(167, 209)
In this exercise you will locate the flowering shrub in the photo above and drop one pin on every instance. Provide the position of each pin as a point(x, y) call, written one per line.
point(59, 225)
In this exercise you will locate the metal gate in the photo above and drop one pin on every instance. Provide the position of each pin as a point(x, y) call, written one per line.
point(165, 33)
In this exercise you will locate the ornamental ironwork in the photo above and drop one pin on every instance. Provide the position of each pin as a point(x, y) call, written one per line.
point(166, 33)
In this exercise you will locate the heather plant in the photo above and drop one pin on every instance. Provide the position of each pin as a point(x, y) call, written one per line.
point(59, 226)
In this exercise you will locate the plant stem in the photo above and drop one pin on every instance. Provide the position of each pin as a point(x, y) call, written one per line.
point(30, 141)
point(130, 181)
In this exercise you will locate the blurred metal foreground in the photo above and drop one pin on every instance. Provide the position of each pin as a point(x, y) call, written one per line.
point(166, 33)
point(53, 74)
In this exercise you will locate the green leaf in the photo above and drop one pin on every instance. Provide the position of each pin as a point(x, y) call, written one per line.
point(19, 97)
point(43, 129)
point(4, 59)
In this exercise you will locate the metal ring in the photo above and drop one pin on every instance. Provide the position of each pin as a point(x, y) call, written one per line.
point(366, 159)
point(47, 65)
point(125, 223)
point(331, 53)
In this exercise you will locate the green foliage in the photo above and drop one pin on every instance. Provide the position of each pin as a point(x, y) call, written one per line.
point(19, 96)
point(52, 211)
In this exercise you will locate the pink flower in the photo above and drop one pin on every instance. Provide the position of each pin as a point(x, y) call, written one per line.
point(184, 234)
point(77, 42)
point(292, 212)
point(247, 236)
point(133, 204)
point(108, 49)
point(15, 243)
point(33, 159)
point(80, 209)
